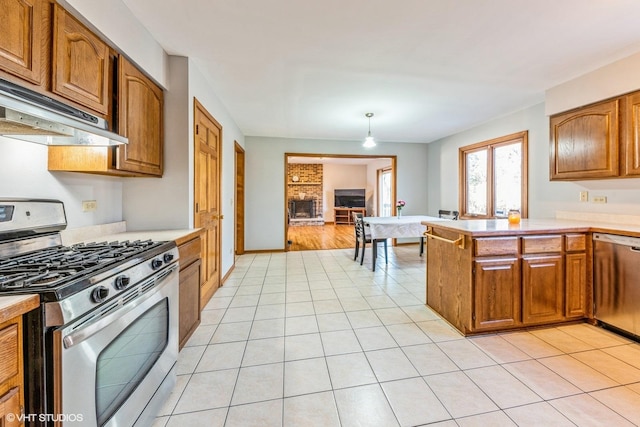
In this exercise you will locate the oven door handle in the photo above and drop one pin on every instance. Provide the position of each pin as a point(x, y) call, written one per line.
point(89, 327)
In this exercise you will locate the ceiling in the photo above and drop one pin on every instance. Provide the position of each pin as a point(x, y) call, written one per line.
point(425, 68)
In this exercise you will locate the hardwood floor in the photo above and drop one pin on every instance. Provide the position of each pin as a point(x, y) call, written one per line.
point(314, 237)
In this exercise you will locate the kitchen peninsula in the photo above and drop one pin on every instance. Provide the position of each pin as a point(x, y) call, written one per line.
point(489, 275)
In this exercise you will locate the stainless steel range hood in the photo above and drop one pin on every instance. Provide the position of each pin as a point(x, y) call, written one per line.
point(33, 117)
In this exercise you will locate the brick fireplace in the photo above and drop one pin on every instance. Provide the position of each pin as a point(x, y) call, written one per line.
point(304, 195)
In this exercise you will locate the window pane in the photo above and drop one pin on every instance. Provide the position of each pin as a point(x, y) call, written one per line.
point(124, 363)
point(476, 164)
point(508, 178)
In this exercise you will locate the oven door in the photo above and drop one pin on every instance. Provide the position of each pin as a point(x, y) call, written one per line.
point(117, 367)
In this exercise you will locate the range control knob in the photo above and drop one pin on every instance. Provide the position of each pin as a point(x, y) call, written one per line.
point(121, 282)
point(156, 263)
point(99, 294)
point(167, 258)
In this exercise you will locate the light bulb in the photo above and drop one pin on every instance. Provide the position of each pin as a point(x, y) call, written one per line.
point(369, 142)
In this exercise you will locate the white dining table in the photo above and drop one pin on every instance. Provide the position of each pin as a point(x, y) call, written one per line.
point(391, 227)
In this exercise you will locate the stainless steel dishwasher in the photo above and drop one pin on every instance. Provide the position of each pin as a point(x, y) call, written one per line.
point(617, 281)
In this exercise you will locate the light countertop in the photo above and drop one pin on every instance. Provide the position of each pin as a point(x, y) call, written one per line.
point(16, 305)
point(179, 236)
point(501, 227)
point(118, 231)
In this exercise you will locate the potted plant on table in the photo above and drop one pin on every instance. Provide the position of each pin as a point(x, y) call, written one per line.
point(399, 205)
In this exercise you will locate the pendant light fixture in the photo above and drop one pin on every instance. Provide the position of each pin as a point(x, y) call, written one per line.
point(369, 141)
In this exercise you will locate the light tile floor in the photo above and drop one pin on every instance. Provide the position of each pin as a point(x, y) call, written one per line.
point(314, 339)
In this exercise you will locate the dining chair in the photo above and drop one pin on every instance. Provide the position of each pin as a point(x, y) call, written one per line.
point(445, 214)
point(355, 216)
point(362, 237)
point(448, 214)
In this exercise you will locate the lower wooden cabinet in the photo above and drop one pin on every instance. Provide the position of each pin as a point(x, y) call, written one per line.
point(189, 292)
point(542, 289)
point(507, 282)
point(11, 376)
point(576, 285)
point(497, 293)
point(10, 408)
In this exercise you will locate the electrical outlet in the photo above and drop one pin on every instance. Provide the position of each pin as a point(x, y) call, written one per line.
point(584, 196)
point(599, 199)
point(89, 205)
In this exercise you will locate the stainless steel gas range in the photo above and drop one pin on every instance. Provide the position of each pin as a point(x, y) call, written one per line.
point(101, 348)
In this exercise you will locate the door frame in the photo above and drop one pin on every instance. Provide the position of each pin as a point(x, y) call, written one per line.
point(392, 157)
point(239, 199)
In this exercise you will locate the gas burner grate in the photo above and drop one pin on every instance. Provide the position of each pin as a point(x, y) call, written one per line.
point(49, 267)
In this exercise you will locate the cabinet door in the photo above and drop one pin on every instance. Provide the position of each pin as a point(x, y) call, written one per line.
point(584, 142)
point(542, 288)
point(20, 38)
point(576, 284)
point(189, 297)
point(497, 293)
point(140, 119)
point(631, 147)
point(80, 63)
point(10, 408)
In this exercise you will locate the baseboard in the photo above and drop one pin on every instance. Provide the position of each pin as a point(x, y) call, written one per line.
point(263, 251)
point(226, 276)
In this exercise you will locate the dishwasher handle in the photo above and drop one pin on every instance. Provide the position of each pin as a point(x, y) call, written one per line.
point(632, 243)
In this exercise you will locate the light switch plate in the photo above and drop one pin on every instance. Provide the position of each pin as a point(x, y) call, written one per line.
point(599, 199)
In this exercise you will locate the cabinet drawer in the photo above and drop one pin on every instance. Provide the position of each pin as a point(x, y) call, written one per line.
point(496, 246)
point(541, 244)
point(575, 242)
point(189, 251)
point(8, 352)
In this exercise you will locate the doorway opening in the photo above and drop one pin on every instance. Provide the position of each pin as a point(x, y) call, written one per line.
point(385, 181)
point(310, 216)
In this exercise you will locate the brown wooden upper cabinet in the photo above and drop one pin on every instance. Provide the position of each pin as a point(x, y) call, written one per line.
point(21, 37)
point(584, 142)
point(140, 113)
point(597, 141)
point(631, 147)
point(80, 63)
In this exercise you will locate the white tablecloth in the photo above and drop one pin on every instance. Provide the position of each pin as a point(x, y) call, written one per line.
point(396, 227)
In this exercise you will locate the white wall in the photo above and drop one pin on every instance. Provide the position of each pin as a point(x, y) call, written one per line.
point(164, 203)
point(341, 176)
point(24, 174)
point(545, 197)
point(611, 80)
point(265, 181)
point(152, 203)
